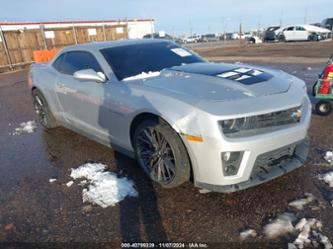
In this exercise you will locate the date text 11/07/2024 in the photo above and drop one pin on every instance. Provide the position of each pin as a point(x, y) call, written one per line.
point(164, 245)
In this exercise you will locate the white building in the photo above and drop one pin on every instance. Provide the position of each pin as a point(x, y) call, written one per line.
point(137, 28)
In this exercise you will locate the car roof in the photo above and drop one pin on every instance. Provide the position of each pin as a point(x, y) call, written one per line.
point(108, 44)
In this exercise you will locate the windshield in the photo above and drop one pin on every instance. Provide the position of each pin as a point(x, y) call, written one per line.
point(273, 28)
point(131, 60)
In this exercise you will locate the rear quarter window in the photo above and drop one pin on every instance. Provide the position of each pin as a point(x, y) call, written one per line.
point(71, 62)
point(58, 63)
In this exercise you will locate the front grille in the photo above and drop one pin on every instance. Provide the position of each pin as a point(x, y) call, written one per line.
point(264, 123)
point(279, 118)
point(265, 162)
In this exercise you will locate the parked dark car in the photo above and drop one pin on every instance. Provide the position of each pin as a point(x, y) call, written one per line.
point(162, 36)
point(327, 23)
point(209, 38)
point(270, 34)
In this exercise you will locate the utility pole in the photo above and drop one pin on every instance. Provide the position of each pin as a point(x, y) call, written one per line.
point(281, 18)
point(41, 26)
point(4, 42)
point(74, 33)
point(240, 32)
point(191, 30)
point(306, 16)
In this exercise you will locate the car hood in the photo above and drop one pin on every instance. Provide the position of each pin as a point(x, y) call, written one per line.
point(220, 82)
point(313, 28)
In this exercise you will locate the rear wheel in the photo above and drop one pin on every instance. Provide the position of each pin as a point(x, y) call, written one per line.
point(323, 108)
point(282, 38)
point(161, 153)
point(42, 110)
point(252, 40)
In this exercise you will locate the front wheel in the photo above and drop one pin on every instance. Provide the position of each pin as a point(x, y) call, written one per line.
point(323, 108)
point(161, 153)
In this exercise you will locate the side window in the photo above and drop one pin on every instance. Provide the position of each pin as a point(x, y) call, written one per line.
point(298, 28)
point(324, 22)
point(58, 63)
point(79, 60)
point(290, 29)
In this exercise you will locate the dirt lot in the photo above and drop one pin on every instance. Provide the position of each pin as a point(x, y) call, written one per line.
point(35, 213)
point(292, 52)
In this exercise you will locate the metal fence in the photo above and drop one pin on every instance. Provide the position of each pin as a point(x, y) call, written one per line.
point(17, 46)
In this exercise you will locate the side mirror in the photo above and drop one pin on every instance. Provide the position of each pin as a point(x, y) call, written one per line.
point(90, 74)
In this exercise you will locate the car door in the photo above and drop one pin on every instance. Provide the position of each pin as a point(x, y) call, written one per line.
point(289, 34)
point(301, 34)
point(80, 100)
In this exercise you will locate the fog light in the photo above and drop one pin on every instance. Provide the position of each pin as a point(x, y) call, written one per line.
point(226, 156)
point(231, 162)
point(230, 170)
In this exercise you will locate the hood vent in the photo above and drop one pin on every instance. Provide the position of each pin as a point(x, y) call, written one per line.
point(245, 75)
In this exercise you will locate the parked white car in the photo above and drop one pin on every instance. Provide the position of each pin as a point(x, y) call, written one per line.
point(303, 33)
point(191, 39)
point(254, 39)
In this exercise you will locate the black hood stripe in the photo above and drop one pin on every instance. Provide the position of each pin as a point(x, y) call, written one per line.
point(245, 75)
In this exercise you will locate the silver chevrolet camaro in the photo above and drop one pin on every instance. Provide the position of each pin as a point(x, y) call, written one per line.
point(227, 127)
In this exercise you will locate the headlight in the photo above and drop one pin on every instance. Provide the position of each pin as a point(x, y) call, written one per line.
point(233, 125)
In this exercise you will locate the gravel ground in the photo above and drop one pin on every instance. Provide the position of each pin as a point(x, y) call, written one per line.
point(36, 213)
point(291, 52)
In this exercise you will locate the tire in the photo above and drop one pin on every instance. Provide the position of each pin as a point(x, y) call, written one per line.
point(282, 38)
point(323, 108)
point(161, 153)
point(312, 38)
point(45, 116)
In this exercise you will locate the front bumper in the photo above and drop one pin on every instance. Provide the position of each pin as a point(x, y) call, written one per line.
point(261, 174)
point(207, 162)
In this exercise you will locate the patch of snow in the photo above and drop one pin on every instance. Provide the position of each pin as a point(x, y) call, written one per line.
point(250, 233)
point(204, 191)
point(310, 233)
point(87, 170)
point(105, 188)
point(142, 75)
point(282, 225)
point(291, 246)
point(52, 180)
point(329, 157)
point(69, 184)
point(83, 182)
point(300, 203)
point(309, 68)
point(325, 241)
point(328, 178)
point(25, 127)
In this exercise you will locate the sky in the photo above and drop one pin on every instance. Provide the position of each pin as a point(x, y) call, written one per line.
point(174, 16)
